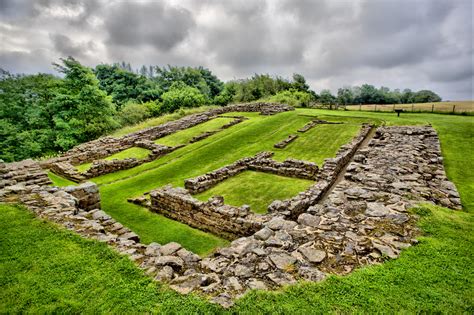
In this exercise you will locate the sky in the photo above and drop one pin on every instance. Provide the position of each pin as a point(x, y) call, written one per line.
point(417, 44)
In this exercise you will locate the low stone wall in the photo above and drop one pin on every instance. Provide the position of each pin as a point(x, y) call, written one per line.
point(289, 167)
point(67, 170)
point(260, 162)
point(106, 146)
point(87, 195)
point(316, 122)
point(363, 220)
point(213, 216)
point(282, 144)
point(325, 179)
point(23, 175)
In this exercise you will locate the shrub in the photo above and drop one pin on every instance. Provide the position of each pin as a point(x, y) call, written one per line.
point(291, 97)
point(181, 95)
point(131, 113)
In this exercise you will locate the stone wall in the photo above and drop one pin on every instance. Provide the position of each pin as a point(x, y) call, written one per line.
point(364, 219)
point(282, 144)
point(213, 216)
point(106, 146)
point(316, 122)
point(289, 167)
point(325, 179)
point(20, 176)
point(260, 162)
point(87, 195)
point(67, 170)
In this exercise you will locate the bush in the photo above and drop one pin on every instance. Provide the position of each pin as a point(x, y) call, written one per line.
point(131, 113)
point(291, 97)
point(181, 95)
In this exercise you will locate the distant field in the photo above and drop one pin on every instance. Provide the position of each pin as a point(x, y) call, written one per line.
point(447, 107)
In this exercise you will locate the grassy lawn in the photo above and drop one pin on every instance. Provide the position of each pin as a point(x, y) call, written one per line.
point(318, 143)
point(152, 122)
point(43, 269)
point(248, 187)
point(184, 136)
point(134, 152)
point(59, 181)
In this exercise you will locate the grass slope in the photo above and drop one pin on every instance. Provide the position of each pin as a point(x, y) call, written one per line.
point(44, 269)
point(248, 187)
point(60, 181)
point(257, 134)
point(133, 152)
point(184, 136)
point(436, 276)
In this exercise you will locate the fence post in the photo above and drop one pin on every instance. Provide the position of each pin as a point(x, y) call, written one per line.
point(360, 107)
point(454, 108)
point(375, 108)
point(412, 107)
point(394, 107)
point(432, 108)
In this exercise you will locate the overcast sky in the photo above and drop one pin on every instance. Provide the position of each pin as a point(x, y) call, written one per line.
point(419, 44)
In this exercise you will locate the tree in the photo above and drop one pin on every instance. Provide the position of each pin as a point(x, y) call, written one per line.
point(326, 98)
point(425, 96)
point(345, 96)
point(299, 83)
point(82, 111)
point(181, 95)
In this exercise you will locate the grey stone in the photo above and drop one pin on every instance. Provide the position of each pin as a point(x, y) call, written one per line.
point(375, 209)
point(174, 262)
point(281, 278)
point(263, 234)
point(282, 261)
point(255, 284)
point(308, 220)
point(279, 223)
point(312, 255)
point(170, 248)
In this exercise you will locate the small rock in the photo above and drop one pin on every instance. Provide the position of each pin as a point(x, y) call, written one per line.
point(175, 262)
point(255, 284)
point(282, 261)
point(312, 255)
point(263, 234)
point(308, 220)
point(170, 248)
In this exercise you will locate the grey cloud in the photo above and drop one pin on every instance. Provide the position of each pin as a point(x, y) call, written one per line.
point(407, 43)
point(150, 23)
point(65, 46)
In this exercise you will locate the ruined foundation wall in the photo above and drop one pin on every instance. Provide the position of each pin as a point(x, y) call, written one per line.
point(27, 173)
point(213, 216)
point(87, 195)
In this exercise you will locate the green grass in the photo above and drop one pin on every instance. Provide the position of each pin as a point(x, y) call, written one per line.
point(152, 122)
point(436, 276)
point(318, 143)
point(248, 187)
point(184, 136)
point(133, 152)
point(44, 269)
point(59, 181)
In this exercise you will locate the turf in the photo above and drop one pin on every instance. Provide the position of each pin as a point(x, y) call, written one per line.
point(256, 189)
point(44, 269)
point(257, 134)
point(436, 276)
point(59, 181)
point(184, 136)
point(152, 122)
point(134, 152)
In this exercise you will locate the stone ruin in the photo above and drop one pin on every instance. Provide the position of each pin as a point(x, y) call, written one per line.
point(316, 122)
point(283, 143)
point(357, 213)
point(95, 151)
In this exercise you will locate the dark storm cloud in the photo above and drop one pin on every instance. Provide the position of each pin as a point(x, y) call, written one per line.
point(67, 47)
point(149, 23)
point(396, 43)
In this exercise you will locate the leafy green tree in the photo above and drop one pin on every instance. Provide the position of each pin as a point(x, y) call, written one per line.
point(326, 98)
point(299, 83)
point(181, 95)
point(125, 86)
point(82, 111)
point(345, 96)
point(425, 96)
point(132, 113)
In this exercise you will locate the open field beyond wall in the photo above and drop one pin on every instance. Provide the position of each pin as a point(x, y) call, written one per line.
point(440, 107)
point(45, 269)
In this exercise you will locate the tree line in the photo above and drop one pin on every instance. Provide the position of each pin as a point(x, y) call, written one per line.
point(43, 114)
